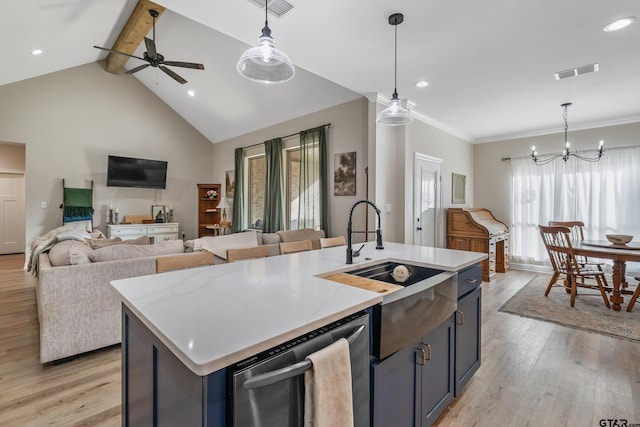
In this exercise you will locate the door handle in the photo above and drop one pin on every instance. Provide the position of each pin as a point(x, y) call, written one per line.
point(424, 356)
point(428, 353)
point(291, 370)
point(461, 317)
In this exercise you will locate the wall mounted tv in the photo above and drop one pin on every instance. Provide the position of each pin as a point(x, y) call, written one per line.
point(139, 173)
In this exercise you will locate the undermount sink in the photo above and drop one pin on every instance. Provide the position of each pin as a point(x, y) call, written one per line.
point(409, 309)
point(384, 273)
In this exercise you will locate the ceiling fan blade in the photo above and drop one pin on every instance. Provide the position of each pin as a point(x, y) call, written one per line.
point(173, 75)
point(184, 64)
point(151, 48)
point(118, 52)
point(138, 68)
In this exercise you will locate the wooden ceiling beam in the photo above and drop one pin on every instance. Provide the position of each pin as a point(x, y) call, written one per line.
point(137, 27)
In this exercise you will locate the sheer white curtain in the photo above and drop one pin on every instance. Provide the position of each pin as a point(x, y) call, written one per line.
point(604, 195)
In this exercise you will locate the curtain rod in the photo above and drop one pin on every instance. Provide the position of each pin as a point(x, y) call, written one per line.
point(504, 159)
point(288, 136)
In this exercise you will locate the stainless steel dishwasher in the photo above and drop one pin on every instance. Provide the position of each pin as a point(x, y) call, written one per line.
point(267, 390)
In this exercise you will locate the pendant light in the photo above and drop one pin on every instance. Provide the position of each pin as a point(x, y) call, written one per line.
point(264, 63)
point(395, 114)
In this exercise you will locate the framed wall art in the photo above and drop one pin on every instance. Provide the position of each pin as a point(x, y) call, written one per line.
point(158, 212)
point(458, 183)
point(344, 175)
point(229, 184)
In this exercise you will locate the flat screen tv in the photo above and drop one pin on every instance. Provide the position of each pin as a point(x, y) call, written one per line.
point(139, 173)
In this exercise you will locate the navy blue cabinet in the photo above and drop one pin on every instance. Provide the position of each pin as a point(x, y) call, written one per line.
point(414, 385)
point(159, 390)
point(468, 326)
point(436, 379)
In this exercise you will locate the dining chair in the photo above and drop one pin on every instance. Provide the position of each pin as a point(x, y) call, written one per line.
point(557, 240)
point(635, 295)
point(291, 247)
point(577, 234)
point(179, 262)
point(329, 242)
point(238, 254)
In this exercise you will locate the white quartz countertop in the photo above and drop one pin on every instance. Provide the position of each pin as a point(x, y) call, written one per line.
point(212, 317)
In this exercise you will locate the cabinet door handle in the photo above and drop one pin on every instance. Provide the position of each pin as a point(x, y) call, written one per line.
point(429, 352)
point(461, 317)
point(424, 356)
point(472, 281)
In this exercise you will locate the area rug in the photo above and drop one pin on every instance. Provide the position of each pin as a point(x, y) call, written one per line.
point(589, 313)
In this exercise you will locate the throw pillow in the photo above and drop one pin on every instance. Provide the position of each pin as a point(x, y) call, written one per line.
point(271, 238)
point(118, 252)
point(69, 252)
point(79, 253)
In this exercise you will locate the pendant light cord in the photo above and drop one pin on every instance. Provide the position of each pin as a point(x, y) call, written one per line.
point(395, 62)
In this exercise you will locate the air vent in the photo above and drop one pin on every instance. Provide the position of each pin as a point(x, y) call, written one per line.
point(572, 72)
point(277, 8)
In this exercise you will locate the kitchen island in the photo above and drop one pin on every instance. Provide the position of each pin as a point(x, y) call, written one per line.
point(197, 322)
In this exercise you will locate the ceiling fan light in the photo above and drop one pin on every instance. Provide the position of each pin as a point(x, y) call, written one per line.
point(395, 114)
point(265, 63)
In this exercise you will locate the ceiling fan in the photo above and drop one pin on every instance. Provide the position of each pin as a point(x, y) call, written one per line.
point(155, 59)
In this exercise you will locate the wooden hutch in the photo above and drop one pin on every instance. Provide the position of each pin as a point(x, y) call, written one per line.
point(208, 212)
point(477, 230)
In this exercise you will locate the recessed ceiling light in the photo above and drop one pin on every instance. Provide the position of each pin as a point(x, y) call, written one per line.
point(191, 93)
point(619, 24)
point(422, 83)
point(36, 52)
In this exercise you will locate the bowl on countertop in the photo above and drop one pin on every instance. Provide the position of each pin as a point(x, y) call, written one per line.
point(619, 239)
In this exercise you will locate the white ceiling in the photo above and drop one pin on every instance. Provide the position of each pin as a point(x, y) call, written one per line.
point(490, 64)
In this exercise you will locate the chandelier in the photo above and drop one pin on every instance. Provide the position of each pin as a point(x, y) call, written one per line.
point(566, 153)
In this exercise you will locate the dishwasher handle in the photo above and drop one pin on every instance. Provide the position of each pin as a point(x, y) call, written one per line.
point(291, 370)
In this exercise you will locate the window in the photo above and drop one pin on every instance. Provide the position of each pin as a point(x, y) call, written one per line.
point(601, 194)
point(304, 168)
point(256, 180)
point(292, 184)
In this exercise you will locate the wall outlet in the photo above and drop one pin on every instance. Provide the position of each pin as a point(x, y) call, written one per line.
point(43, 205)
point(388, 207)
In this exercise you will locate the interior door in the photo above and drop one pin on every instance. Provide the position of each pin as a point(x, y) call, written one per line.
point(427, 201)
point(12, 213)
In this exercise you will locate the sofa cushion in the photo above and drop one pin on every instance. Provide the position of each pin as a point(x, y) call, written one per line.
point(303, 234)
point(271, 239)
point(101, 243)
point(117, 252)
point(219, 244)
point(69, 252)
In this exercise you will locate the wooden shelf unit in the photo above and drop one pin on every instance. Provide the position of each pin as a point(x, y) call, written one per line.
point(208, 212)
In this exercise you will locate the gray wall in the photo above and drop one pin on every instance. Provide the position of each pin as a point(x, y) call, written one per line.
point(348, 132)
point(395, 149)
point(492, 181)
point(71, 120)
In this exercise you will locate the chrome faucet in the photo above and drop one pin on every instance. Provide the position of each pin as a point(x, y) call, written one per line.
point(350, 252)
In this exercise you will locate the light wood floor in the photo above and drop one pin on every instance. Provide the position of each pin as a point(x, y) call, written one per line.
point(533, 373)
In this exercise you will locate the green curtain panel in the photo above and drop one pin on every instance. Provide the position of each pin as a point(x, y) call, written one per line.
point(237, 217)
point(274, 188)
point(312, 207)
point(78, 202)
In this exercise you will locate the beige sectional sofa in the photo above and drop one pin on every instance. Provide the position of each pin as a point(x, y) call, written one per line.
point(78, 310)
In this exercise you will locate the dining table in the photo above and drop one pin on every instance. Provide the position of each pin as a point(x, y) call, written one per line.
point(619, 254)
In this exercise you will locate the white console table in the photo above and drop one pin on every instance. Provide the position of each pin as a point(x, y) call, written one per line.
point(158, 232)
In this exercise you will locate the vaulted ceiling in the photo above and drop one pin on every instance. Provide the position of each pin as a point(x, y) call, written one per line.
point(490, 65)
